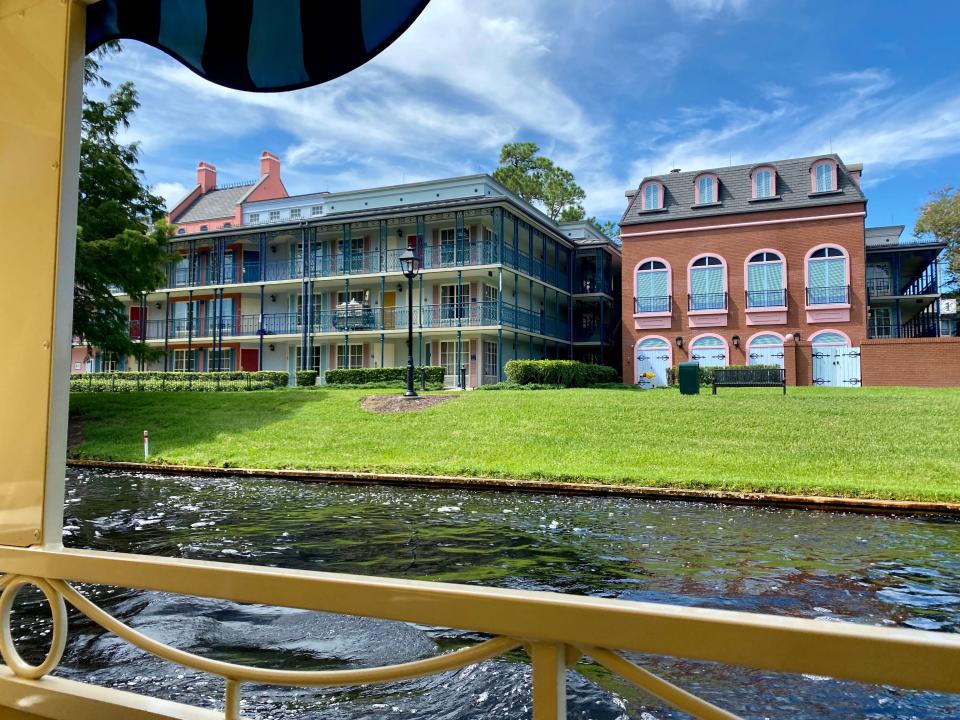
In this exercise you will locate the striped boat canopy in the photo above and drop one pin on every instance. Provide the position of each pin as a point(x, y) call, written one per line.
point(258, 45)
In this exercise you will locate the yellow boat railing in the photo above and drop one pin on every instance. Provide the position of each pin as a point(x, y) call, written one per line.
point(555, 630)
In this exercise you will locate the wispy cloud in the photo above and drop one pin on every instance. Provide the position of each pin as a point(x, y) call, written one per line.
point(705, 9)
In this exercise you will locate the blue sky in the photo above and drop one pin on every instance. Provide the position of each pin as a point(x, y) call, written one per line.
point(611, 90)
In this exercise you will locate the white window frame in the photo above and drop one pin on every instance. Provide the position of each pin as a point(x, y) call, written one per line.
point(254, 218)
point(294, 213)
point(491, 364)
point(184, 360)
point(315, 211)
point(274, 216)
point(354, 356)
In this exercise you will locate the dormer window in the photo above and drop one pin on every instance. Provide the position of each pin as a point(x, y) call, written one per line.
point(274, 216)
point(764, 183)
point(294, 213)
point(181, 231)
point(823, 176)
point(254, 218)
point(706, 190)
point(315, 211)
point(203, 228)
point(651, 196)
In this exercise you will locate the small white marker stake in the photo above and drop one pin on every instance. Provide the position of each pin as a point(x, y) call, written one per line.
point(146, 445)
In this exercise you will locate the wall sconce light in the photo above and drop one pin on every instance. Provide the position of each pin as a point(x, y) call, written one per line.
point(736, 341)
point(273, 298)
point(399, 288)
point(158, 306)
point(489, 273)
point(399, 232)
point(273, 248)
point(796, 337)
point(272, 347)
point(679, 341)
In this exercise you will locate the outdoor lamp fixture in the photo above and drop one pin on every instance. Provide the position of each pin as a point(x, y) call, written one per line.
point(796, 337)
point(272, 347)
point(399, 232)
point(273, 298)
point(679, 341)
point(410, 266)
point(736, 341)
point(158, 306)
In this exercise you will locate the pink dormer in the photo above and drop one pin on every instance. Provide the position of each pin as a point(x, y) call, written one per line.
point(651, 195)
point(706, 189)
point(763, 182)
point(823, 175)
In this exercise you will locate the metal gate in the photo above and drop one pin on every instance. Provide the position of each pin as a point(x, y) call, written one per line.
point(836, 366)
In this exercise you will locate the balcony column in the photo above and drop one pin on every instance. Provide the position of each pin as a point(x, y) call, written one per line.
point(190, 330)
point(260, 331)
point(458, 298)
point(311, 320)
point(166, 334)
point(383, 309)
point(459, 384)
point(459, 238)
point(420, 305)
point(262, 243)
point(500, 354)
point(899, 318)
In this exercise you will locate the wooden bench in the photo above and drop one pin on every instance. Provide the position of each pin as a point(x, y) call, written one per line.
point(749, 377)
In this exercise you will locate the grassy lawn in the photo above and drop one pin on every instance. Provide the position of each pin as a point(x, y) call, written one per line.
point(873, 442)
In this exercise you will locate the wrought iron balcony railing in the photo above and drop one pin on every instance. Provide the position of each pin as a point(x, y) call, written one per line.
point(358, 319)
point(653, 304)
point(558, 632)
point(707, 301)
point(829, 295)
point(879, 287)
point(766, 298)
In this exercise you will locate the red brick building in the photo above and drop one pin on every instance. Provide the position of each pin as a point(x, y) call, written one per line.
point(741, 265)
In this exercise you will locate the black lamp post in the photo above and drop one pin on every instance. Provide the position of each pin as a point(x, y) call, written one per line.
point(410, 265)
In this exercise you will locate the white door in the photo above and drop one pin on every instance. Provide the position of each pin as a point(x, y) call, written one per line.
point(836, 366)
point(766, 350)
point(653, 357)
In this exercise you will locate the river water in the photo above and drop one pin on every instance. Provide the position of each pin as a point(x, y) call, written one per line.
point(881, 570)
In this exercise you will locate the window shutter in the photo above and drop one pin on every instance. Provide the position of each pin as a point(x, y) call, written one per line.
point(652, 284)
point(706, 280)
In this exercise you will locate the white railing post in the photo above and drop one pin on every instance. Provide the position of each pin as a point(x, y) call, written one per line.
point(549, 681)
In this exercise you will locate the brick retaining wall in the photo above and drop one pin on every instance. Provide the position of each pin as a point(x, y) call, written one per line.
point(922, 362)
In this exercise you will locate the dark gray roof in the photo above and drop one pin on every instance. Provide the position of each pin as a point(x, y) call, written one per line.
point(218, 203)
point(793, 189)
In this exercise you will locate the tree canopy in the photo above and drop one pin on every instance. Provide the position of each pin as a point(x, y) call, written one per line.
point(121, 237)
point(940, 218)
point(539, 181)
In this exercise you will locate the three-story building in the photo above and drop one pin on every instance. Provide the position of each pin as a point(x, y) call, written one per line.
point(313, 282)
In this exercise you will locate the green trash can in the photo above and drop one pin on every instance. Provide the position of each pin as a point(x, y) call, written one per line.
point(688, 377)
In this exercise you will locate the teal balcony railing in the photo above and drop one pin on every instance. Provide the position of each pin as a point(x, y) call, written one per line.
point(320, 265)
point(360, 319)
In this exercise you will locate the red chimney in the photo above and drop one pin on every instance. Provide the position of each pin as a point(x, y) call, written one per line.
point(206, 177)
point(269, 165)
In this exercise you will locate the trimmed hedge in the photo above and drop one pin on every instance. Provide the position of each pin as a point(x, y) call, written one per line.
point(431, 374)
point(307, 378)
point(567, 373)
point(706, 373)
point(177, 381)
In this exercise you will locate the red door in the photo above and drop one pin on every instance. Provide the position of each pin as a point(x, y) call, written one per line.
point(135, 322)
point(249, 360)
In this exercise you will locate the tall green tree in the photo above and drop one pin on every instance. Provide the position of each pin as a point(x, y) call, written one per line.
point(940, 218)
point(539, 181)
point(121, 236)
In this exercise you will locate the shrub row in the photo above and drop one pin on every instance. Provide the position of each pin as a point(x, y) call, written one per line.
point(431, 374)
point(307, 378)
point(567, 373)
point(706, 373)
point(175, 381)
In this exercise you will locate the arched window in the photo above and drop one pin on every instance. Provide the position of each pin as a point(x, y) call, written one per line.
point(824, 176)
point(765, 349)
point(652, 287)
point(827, 279)
point(706, 190)
point(652, 196)
point(766, 280)
point(709, 351)
point(708, 284)
point(764, 183)
point(830, 337)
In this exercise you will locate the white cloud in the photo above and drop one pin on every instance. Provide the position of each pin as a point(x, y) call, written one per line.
point(704, 9)
point(171, 192)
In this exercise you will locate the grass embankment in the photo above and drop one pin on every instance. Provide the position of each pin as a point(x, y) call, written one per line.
point(895, 443)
